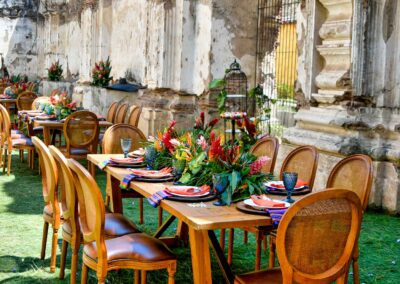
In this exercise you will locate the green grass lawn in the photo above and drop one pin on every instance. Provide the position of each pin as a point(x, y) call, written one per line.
point(21, 222)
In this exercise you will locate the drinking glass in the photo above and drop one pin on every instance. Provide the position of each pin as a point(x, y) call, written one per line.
point(126, 144)
point(178, 166)
point(220, 183)
point(289, 181)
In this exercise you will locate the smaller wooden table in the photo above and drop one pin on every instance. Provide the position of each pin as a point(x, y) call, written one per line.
point(8, 103)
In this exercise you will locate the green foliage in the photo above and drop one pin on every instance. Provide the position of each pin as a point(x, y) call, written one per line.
point(54, 73)
point(285, 91)
point(101, 73)
point(219, 84)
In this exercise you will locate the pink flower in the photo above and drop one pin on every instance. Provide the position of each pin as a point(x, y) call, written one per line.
point(257, 165)
point(202, 142)
point(175, 142)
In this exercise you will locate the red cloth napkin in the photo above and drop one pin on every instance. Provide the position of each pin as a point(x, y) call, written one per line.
point(126, 160)
point(152, 174)
point(264, 201)
point(299, 183)
point(189, 191)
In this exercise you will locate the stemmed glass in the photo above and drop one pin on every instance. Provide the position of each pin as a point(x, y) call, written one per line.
point(178, 166)
point(126, 144)
point(289, 181)
point(220, 182)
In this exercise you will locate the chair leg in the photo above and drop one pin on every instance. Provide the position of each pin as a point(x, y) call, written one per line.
point(356, 272)
point(101, 280)
point(171, 273)
point(53, 257)
point(160, 213)
point(21, 155)
point(74, 264)
point(143, 277)
point(44, 240)
point(222, 239)
point(5, 158)
point(84, 273)
point(64, 249)
point(259, 237)
point(141, 216)
point(9, 162)
point(245, 237)
point(271, 251)
point(265, 243)
point(230, 246)
point(136, 279)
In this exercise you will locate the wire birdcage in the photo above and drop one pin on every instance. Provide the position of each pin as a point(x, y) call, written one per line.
point(236, 89)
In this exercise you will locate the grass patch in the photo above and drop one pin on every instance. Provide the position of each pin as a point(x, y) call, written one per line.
point(21, 206)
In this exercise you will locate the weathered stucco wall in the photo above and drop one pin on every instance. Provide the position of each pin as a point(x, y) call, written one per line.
point(18, 36)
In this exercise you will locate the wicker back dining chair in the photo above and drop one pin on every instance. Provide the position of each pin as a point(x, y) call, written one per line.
point(81, 132)
point(11, 139)
point(25, 100)
point(51, 211)
point(269, 147)
point(40, 100)
point(354, 173)
point(133, 251)
point(112, 110)
point(120, 116)
point(304, 161)
point(112, 145)
point(315, 240)
point(134, 116)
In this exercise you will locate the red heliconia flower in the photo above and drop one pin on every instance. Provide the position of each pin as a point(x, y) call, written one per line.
point(213, 122)
point(171, 124)
point(216, 149)
point(250, 127)
point(212, 136)
point(202, 117)
point(257, 165)
point(166, 140)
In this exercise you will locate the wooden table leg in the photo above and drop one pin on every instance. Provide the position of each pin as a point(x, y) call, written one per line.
point(200, 251)
point(46, 135)
point(182, 232)
point(116, 196)
point(221, 259)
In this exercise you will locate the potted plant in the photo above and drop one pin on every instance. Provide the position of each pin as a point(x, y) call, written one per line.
point(54, 73)
point(101, 73)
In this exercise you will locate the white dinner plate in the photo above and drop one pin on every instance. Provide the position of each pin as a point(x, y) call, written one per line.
point(186, 187)
point(250, 203)
point(271, 183)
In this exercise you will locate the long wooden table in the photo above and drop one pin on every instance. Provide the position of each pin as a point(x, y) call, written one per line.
point(48, 125)
point(201, 221)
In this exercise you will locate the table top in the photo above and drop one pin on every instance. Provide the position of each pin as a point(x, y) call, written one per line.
point(8, 100)
point(210, 217)
point(55, 123)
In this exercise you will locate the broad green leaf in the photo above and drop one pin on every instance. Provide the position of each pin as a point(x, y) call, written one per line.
point(217, 83)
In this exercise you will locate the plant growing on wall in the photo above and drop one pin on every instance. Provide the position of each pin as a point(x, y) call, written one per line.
point(101, 73)
point(263, 103)
point(54, 73)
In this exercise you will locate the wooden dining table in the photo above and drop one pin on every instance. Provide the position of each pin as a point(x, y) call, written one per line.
point(8, 103)
point(200, 220)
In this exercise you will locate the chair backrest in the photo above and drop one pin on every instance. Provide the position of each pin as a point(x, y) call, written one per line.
point(121, 113)
point(317, 235)
point(81, 130)
point(38, 101)
point(67, 190)
point(25, 100)
point(266, 147)
point(354, 173)
point(112, 138)
point(91, 207)
point(49, 177)
point(134, 116)
point(112, 110)
point(5, 123)
point(304, 161)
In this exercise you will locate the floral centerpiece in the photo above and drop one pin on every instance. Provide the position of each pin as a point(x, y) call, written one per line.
point(60, 105)
point(17, 88)
point(101, 73)
point(54, 73)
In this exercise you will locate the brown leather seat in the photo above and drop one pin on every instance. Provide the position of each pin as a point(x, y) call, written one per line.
point(263, 276)
point(136, 247)
point(114, 225)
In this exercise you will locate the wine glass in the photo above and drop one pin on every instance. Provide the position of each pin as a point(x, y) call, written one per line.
point(178, 166)
point(289, 181)
point(126, 144)
point(220, 183)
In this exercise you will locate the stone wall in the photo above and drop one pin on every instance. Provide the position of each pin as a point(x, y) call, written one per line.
point(18, 36)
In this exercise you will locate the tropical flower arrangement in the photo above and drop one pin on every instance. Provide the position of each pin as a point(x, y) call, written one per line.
point(60, 105)
point(200, 153)
point(101, 73)
point(19, 87)
point(54, 73)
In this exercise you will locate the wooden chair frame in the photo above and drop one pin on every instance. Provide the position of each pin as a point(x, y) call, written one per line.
point(121, 112)
point(84, 181)
point(50, 196)
point(134, 116)
point(112, 111)
point(31, 96)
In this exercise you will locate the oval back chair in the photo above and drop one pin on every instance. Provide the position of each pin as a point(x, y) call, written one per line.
point(304, 161)
point(317, 235)
point(112, 145)
point(112, 110)
point(134, 116)
point(39, 100)
point(112, 138)
point(121, 113)
point(267, 147)
point(51, 212)
point(25, 100)
point(141, 252)
point(354, 173)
